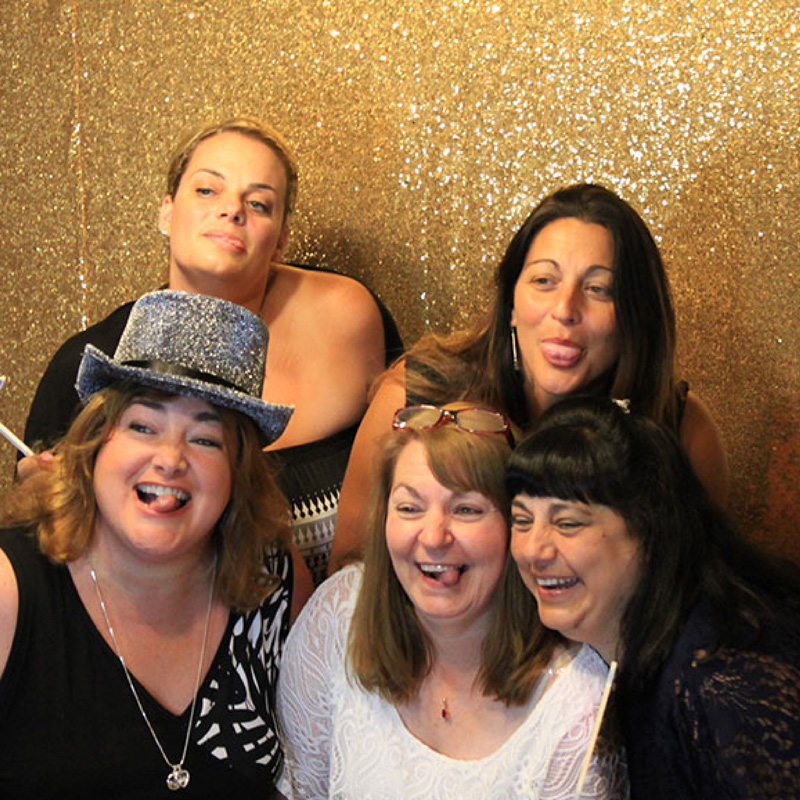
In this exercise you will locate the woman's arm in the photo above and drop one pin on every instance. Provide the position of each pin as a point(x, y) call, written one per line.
point(741, 712)
point(358, 356)
point(351, 523)
point(326, 348)
point(302, 582)
point(9, 607)
point(701, 438)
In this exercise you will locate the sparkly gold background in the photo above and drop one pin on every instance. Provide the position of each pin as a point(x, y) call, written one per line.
point(426, 131)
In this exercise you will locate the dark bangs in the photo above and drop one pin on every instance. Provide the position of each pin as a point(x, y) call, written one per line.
point(570, 463)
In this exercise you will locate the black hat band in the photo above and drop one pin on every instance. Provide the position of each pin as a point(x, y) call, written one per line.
point(184, 372)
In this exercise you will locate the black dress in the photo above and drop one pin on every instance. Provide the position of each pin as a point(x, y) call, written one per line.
point(726, 727)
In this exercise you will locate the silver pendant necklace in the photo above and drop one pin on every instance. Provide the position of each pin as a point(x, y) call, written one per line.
point(178, 777)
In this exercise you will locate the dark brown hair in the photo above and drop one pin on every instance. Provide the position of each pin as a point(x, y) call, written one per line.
point(478, 363)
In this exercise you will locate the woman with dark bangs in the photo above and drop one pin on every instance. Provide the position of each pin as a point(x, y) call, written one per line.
point(622, 548)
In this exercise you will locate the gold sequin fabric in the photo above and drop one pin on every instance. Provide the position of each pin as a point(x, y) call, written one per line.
point(425, 132)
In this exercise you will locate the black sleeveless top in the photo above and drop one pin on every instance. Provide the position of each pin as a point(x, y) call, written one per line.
point(69, 724)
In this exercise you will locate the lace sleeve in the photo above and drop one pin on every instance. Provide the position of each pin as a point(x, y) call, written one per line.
point(742, 712)
point(313, 656)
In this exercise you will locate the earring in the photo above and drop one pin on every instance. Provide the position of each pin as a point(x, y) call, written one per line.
point(514, 349)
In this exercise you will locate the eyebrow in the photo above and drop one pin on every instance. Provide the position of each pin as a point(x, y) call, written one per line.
point(555, 507)
point(219, 175)
point(558, 266)
point(405, 486)
point(159, 405)
point(208, 416)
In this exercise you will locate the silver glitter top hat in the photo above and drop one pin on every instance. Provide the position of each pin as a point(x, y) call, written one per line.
point(191, 345)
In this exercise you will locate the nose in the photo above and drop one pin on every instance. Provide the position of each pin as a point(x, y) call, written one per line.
point(436, 532)
point(169, 457)
point(535, 547)
point(567, 307)
point(231, 207)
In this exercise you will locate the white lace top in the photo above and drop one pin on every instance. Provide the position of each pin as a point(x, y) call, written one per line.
point(345, 743)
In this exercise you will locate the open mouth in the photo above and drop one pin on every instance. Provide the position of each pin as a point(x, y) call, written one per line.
point(446, 574)
point(555, 584)
point(561, 353)
point(162, 498)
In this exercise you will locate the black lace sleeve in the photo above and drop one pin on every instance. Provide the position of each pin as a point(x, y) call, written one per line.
point(719, 723)
point(741, 711)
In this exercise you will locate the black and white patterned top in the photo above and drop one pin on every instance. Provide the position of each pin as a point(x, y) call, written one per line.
point(69, 726)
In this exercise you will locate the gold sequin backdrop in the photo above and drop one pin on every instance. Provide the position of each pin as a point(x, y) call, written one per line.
point(426, 131)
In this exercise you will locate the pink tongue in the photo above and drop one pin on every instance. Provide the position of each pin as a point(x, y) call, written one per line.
point(561, 354)
point(165, 502)
point(449, 577)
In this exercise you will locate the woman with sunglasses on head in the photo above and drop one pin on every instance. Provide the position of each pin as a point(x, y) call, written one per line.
point(622, 548)
point(581, 304)
point(424, 674)
point(231, 190)
point(145, 580)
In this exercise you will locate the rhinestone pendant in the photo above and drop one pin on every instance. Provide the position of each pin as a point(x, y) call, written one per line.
point(178, 778)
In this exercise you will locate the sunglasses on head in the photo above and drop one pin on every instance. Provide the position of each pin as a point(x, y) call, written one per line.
point(482, 421)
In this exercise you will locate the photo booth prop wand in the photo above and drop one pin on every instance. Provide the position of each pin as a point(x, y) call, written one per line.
point(9, 435)
point(598, 721)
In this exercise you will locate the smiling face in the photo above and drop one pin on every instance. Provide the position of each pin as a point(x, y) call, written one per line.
point(447, 547)
point(226, 220)
point(579, 562)
point(161, 480)
point(564, 310)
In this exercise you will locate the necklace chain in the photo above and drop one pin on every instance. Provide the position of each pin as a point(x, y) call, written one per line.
point(178, 778)
point(552, 672)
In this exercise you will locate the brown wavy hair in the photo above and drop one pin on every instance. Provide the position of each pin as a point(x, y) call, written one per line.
point(60, 501)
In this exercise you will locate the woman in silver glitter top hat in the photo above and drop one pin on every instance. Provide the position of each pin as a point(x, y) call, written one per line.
point(145, 581)
point(231, 189)
point(581, 304)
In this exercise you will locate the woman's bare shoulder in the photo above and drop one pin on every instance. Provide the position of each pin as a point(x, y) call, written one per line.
point(701, 437)
point(9, 608)
point(337, 302)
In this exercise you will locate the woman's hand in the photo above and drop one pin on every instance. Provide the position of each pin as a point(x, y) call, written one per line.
point(30, 465)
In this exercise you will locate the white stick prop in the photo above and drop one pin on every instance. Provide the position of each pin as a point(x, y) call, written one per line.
point(612, 671)
point(9, 435)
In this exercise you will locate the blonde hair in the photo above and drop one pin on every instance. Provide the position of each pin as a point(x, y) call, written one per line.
point(60, 502)
point(246, 126)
